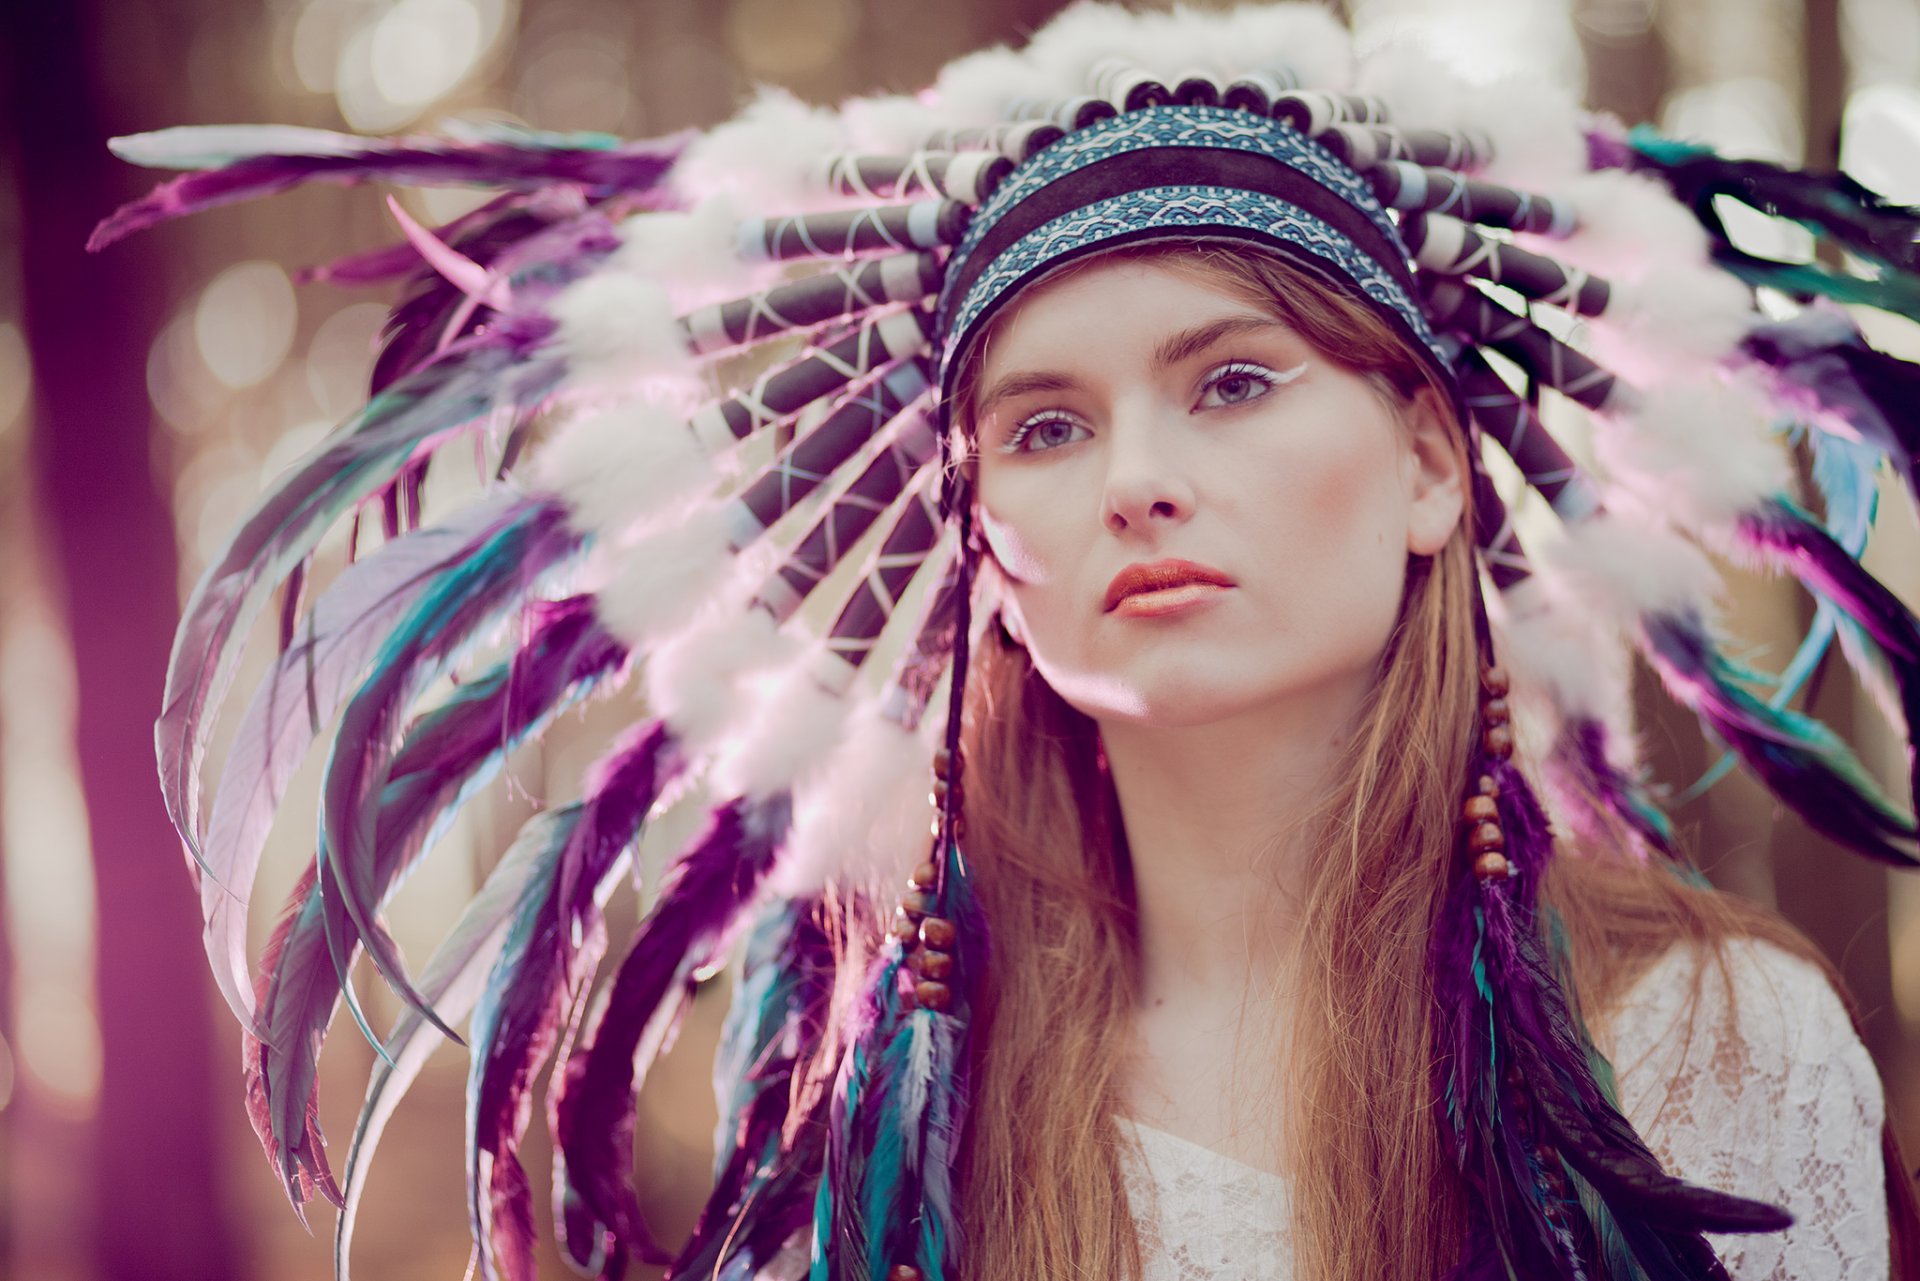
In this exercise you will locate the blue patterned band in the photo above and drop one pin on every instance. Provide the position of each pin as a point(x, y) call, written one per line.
point(1181, 173)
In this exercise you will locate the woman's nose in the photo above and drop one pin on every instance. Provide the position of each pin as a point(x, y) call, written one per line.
point(1144, 486)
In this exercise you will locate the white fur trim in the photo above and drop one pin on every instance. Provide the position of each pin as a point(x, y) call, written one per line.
point(1630, 226)
point(1533, 126)
point(793, 725)
point(1672, 320)
point(1554, 648)
point(766, 158)
point(621, 465)
point(617, 331)
point(1702, 451)
point(1629, 562)
point(662, 581)
point(700, 682)
point(864, 818)
point(690, 254)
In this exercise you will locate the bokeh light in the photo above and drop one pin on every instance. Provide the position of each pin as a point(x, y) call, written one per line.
point(48, 862)
point(16, 377)
point(245, 322)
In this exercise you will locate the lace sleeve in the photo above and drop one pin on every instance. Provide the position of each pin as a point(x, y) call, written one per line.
point(1763, 1089)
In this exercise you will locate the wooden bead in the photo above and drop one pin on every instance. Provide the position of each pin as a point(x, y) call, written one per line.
point(905, 929)
point(1498, 740)
point(1487, 787)
point(924, 877)
point(942, 763)
point(935, 996)
point(1487, 836)
point(903, 1272)
point(939, 792)
point(1494, 681)
point(916, 903)
point(1480, 809)
point(1494, 711)
point(938, 933)
point(1491, 866)
point(929, 964)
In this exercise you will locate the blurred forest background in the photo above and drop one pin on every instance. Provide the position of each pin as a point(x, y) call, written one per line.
point(148, 393)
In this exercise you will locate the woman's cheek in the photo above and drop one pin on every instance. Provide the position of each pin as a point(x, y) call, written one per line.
point(1016, 554)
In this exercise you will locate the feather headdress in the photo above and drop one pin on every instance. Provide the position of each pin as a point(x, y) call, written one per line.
point(660, 516)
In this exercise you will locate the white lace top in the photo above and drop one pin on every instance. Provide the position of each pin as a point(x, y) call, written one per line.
point(1771, 1096)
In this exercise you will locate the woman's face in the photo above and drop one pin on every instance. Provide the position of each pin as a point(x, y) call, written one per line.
point(1197, 513)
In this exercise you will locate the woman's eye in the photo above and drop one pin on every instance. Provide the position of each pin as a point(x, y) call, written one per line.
point(1236, 384)
point(1037, 434)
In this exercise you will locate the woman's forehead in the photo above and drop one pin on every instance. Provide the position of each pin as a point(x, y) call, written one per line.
point(1114, 301)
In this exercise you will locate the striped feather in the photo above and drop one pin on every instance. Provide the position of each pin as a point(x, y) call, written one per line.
point(500, 565)
point(398, 427)
point(539, 979)
point(245, 162)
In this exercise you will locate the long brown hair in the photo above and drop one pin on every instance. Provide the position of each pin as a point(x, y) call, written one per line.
point(1373, 1193)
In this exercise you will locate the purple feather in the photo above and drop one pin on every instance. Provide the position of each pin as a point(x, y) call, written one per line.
point(540, 978)
point(1824, 566)
point(700, 901)
point(349, 623)
point(283, 529)
point(274, 160)
point(1820, 359)
point(1800, 760)
point(502, 559)
point(1600, 787)
point(449, 751)
point(1522, 1097)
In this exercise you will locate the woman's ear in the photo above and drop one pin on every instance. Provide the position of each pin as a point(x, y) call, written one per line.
point(1437, 473)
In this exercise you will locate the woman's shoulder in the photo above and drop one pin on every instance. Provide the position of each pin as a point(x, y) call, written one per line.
point(1741, 1068)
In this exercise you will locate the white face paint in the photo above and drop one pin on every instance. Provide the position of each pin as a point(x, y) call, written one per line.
point(1197, 513)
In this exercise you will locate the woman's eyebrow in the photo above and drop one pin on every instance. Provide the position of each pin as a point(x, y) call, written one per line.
point(1190, 342)
point(1171, 351)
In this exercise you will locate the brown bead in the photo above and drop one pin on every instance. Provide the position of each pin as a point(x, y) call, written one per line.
point(1480, 809)
point(938, 933)
point(1498, 740)
point(1487, 787)
point(924, 877)
point(935, 996)
point(1494, 711)
point(929, 964)
point(916, 903)
point(1491, 866)
point(1487, 836)
point(903, 1272)
point(942, 763)
point(939, 792)
point(1494, 681)
point(905, 929)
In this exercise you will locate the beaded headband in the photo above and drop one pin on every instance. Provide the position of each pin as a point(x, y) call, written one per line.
point(740, 342)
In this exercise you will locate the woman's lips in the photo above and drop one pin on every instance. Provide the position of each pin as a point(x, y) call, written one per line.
point(1163, 587)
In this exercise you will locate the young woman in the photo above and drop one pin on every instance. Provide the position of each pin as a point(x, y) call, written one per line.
point(1294, 907)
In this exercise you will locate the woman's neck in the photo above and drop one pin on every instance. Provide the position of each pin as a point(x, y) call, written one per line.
point(1213, 818)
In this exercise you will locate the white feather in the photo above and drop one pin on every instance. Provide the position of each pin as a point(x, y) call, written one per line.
point(864, 818)
point(701, 682)
point(692, 254)
point(766, 157)
point(1554, 650)
point(1533, 125)
point(623, 464)
point(617, 331)
point(793, 726)
point(1628, 562)
point(663, 580)
point(1629, 227)
point(1663, 323)
point(1701, 451)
